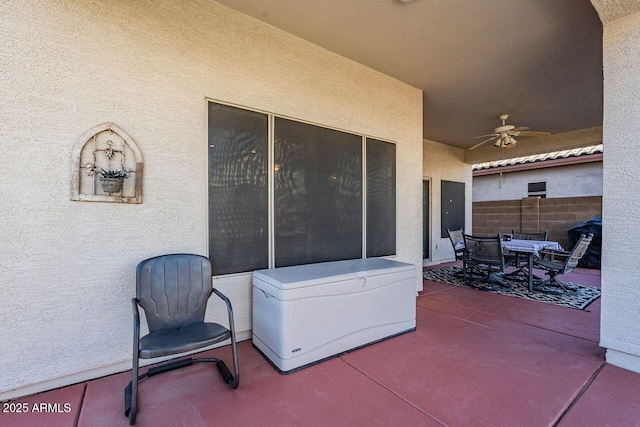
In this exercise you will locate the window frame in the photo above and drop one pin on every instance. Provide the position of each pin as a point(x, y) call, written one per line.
point(327, 144)
point(366, 188)
point(271, 117)
point(540, 193)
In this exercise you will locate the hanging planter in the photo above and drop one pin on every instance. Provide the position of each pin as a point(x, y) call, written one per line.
point(111, 180)
point(111, 185)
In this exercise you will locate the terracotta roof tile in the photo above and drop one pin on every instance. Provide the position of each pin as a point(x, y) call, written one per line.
point(576, 152)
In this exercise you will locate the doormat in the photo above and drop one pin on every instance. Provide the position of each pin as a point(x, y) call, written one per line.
point(579, 300)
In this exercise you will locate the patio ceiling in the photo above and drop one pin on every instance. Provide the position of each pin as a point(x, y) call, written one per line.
point(538, 60)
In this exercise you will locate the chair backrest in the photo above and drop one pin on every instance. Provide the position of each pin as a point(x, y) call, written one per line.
point(457, 241)
point(485, 250)
point(577, 252)
point(544, 236)
point(173, 289)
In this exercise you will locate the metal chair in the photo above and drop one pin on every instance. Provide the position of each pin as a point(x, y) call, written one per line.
point(517, 260)
point(483, 260)
point(543, 237)
point(173, 291)
point(457, 241)
point(553, 267)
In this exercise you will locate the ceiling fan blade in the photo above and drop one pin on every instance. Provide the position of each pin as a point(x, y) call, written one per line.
point(489, 134)
point(535, 134)
point(486, 140)
point(519, 128)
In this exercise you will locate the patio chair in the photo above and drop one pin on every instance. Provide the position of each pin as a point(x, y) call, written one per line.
point(543, 237)
point(517, 260)
point(556, 263)
point(173, 291)
point(457, 241)
point(483, 260)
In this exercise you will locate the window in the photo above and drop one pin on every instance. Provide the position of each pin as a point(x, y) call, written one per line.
point(452, 206)
point(381, 198)
point(537, 189)
point(318, 194)
point(238, 192)
point(283, 192)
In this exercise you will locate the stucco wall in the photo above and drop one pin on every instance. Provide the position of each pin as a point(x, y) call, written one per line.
point(443, 162)
point(68, 268)
point(620, 326)
point(581, 180)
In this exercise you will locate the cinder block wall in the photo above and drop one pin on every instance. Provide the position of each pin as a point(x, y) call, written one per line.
point(533, 215)
point(496, 217)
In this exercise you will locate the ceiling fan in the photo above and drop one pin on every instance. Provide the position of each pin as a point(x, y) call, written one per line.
point(504, 135)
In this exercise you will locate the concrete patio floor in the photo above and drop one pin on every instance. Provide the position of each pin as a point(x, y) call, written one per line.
point(475, 359)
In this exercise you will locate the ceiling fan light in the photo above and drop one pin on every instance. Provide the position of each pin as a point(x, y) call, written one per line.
point(503, 136)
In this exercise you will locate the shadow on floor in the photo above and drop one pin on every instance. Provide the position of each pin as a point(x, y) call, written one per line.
point(475, 359)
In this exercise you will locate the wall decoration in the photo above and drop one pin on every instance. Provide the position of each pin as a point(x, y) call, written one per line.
point(107, 167)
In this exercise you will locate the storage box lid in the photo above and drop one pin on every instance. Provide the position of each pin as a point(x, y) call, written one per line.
point(313, 274)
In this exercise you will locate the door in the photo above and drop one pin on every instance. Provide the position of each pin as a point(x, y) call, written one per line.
point(452, 207)
point(425, 220)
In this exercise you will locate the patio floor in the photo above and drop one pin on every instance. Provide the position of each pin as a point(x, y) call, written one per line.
point(475, 359)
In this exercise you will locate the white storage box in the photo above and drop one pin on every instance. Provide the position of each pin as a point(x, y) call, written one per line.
point(307, 313)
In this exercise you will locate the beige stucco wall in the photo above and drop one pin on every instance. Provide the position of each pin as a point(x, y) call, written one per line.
point(562, 181)
point(620, 325)
point(442, 162)
point(68, 268)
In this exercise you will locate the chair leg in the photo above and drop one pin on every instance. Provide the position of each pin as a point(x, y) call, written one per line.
point(474, 276)
point(234, 354)
point(232, 330)
point(464, 272)
point(553, 282)
point(471, 274)
point(562, 285)
point(234, 381)
point(134, 391)
point(495, 277)
point(131, 391)
point(459, 274)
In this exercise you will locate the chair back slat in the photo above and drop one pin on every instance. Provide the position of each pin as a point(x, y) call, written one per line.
point(457, 241)
point(173, 289)
point(577, 252)
point(543, 237)
point(485, 250)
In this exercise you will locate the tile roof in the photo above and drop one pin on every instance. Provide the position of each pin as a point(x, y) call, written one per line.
point(576, 152)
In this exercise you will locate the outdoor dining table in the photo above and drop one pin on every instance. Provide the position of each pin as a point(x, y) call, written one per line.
point(530, 248)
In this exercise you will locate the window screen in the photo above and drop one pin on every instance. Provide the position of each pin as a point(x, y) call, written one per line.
point(452, 206)
point(537, 189)
point(318, 194)
point(381, 198)
point(238, 196)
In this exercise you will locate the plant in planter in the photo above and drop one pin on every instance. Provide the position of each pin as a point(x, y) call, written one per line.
point(111, 180)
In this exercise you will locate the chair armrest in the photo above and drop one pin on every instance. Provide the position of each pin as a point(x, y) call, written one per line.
point(229, 310)
point(553, 253)
point(225, 299)
point(136, 313)
point(136, 325)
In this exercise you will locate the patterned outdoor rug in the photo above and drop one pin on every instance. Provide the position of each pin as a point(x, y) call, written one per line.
point(579, 300)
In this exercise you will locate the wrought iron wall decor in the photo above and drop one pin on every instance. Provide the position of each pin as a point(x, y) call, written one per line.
point(107, 166)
